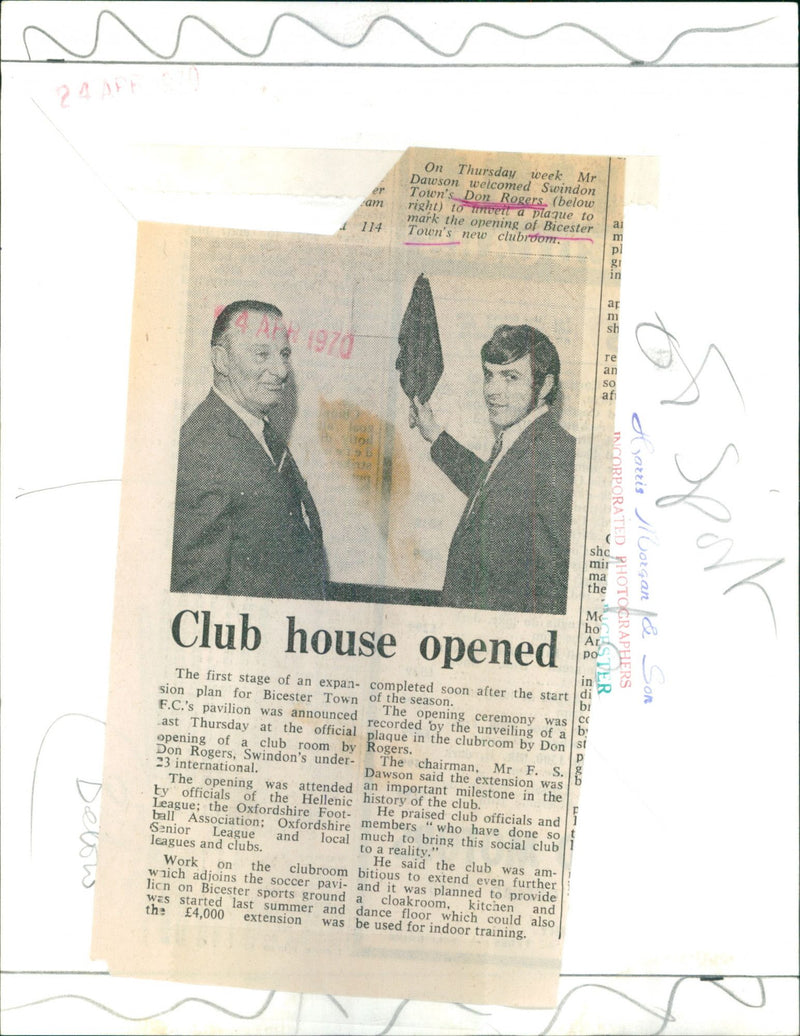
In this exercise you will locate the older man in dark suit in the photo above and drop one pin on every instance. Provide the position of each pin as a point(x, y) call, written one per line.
point(510, 551)
point(245, 522)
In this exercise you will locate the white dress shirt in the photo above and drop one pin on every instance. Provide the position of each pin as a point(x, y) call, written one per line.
point(510, 435)
point(255, 424)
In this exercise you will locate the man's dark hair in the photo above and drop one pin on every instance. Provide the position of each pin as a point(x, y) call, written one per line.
point(225, 318)
point(508, 344)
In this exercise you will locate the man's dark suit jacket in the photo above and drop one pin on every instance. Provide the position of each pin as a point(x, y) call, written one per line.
point(238, 530)
point(511, 551)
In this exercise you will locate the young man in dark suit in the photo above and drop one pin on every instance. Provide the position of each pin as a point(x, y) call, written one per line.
point(245, 522)
point(510, 551)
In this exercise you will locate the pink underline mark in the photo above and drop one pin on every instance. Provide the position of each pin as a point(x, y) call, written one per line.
point(554, 237)
point(499, 204)
point(431, 244)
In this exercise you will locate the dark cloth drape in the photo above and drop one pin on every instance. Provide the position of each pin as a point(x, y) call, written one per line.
point(420, 358)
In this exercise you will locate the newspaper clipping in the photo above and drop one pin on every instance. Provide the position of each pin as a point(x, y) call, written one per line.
point(362, 563)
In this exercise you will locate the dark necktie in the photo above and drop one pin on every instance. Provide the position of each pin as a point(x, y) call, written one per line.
point(302, 502)
point(487, 468)
point(275, 443)
point(498, 445)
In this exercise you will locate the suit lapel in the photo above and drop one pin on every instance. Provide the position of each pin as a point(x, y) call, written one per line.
point(480, 488)
point(484, 485)
point(238, 430)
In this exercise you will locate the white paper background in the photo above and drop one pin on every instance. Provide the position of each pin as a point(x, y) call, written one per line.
point(685, 860)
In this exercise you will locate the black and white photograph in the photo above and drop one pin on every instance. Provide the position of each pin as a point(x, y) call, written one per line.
point(362, 427)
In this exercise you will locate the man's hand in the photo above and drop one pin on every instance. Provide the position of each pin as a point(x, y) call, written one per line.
point(421, 416)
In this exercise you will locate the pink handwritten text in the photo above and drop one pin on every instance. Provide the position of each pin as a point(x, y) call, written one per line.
point(555, 237)
point(498, 205)
point(173, 81)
